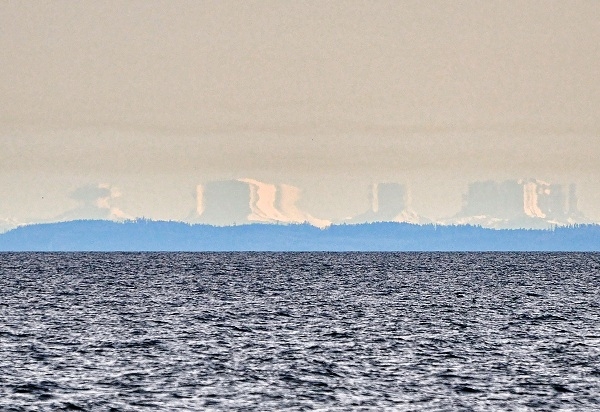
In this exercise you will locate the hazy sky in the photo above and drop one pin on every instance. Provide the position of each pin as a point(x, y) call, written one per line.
point(150, 98)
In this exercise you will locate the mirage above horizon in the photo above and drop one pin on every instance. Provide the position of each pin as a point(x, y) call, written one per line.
point(524, 203)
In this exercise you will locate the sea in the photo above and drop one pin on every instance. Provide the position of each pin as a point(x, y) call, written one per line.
point(299, 331)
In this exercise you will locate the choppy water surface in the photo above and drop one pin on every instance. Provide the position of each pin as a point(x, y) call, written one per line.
point(299, 331)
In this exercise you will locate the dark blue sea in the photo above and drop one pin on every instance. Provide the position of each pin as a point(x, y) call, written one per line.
point(300, 331)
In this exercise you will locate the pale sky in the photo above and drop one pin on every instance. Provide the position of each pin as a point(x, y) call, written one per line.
point(151, 98)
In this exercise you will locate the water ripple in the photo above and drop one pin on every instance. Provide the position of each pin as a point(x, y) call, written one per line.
point(299, 331)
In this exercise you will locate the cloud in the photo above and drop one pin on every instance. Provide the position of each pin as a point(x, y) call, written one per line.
point(288, 197)
point(519, 203)
point(199, 199)
point(248, 200)
point(277, 203)
point(262, 202)
point(8, 224)
point(390, 202)
point(530, 200)
point(95, 202)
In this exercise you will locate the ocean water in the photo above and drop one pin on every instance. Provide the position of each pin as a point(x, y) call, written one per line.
point(299, 331)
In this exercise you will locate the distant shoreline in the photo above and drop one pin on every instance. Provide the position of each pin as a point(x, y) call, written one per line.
point(149, 235)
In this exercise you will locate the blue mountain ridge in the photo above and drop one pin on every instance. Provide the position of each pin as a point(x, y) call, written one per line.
point(149, 235)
